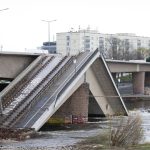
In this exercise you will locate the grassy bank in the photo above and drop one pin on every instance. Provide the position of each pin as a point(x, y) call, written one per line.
point(101, 142)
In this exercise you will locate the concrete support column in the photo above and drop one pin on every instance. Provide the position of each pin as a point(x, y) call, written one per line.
point(147, 79)
point(75, 109)
point(138, 82)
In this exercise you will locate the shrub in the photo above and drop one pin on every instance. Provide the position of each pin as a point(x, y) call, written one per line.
point(128, 132)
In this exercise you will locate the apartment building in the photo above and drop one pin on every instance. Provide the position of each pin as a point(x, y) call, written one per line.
point(74, 42)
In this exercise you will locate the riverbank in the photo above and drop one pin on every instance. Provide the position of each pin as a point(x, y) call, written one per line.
point(90, 136)
point(101, 142)
point(66, 139)
point(98, 142)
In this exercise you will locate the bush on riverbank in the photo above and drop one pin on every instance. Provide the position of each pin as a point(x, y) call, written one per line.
point(126, 134)
point(129, 132)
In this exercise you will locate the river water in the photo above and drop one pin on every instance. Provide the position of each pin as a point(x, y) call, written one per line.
point(145, 115)
point(50, 140)
point(55, 140)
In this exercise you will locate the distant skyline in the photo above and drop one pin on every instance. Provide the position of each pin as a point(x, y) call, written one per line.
point(21, 26)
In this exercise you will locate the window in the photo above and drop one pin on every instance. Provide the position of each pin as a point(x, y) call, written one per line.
point(138, 43)
point(87, 46)
point(87, 37)
point(87, 40)
point(67, 38)
point(101, 44)
point(68, 43)
point(127, 44)
point(149, 43)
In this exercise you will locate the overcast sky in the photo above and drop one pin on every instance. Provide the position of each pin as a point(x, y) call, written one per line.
point(21, 26)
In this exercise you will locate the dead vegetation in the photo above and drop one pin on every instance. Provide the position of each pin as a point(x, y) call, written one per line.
point(129, 132)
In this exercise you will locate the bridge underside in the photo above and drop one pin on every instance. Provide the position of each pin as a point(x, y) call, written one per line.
point(128, 66)
point(11, 65)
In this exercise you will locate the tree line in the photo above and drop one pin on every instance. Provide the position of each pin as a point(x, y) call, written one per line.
point(118, 49)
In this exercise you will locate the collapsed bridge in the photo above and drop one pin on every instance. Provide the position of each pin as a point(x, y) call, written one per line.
point(47, 82)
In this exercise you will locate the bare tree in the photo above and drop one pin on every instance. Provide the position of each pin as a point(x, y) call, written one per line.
point(128, 132)
point(123, 49)
point(112, 44)
point(118, 48)
point(143, 53)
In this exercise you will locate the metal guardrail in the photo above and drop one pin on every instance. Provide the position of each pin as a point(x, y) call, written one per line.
point(20, 112)
point(21, 75)
point(65, 84)
point(78, 70)
point(5, 118)
point(17, 83)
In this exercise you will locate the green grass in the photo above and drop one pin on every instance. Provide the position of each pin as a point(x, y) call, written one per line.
point(140, 147)
point(127, 78)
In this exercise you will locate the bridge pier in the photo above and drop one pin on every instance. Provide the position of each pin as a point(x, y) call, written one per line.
point(138, 82)
point(147, 79)
point(75, 109)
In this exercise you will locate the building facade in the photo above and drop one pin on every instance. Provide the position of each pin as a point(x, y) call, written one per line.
point(124, 46)
point(111, 45)
point(72, 43)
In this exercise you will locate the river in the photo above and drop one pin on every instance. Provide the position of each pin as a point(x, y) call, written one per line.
point(55, 140)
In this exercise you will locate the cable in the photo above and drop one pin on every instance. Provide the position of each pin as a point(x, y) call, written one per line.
point(114, 96)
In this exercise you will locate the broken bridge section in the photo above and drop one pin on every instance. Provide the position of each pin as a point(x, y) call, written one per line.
point(37, 93)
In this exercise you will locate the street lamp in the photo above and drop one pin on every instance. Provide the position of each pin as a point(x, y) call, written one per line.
point(75, 61)
point(48, 21)
point(1, 105)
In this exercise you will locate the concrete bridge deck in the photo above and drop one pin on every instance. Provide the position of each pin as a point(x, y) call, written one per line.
point(128, 66)
point(12, 64)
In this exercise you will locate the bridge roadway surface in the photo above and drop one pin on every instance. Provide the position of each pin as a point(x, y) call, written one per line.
point(39, 91)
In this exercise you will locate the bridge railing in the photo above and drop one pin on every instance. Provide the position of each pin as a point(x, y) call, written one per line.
point(26, 78)
point(23, 106)
point(57, 93)
point(73, 75)
point(15, 83)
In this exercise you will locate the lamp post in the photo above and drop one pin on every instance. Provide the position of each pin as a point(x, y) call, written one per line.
point(75, 61)
point(48, 21)
point(3, 10)
point(1, 106)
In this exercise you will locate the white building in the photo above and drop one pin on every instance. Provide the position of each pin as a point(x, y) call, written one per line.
point(136, 41)
point(71, 43)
